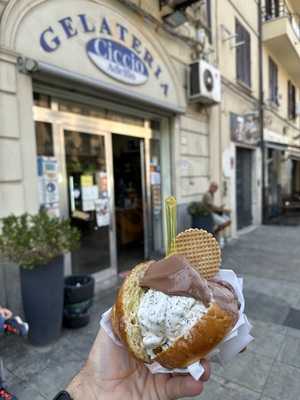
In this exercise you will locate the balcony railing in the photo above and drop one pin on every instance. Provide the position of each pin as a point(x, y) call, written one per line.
point(279, 9)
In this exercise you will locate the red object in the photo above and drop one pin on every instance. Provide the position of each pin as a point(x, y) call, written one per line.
point(10, 329)
point(4, 395)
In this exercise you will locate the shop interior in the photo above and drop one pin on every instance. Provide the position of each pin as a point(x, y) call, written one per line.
point(128, 200)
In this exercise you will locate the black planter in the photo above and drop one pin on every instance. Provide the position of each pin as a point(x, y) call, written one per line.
point(43, 299)
point(203, 222)
point(79, 295)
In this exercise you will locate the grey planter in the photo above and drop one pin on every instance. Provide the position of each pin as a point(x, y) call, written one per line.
point(43, 299)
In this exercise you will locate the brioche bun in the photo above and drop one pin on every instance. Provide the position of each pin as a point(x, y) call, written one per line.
point(210, 330)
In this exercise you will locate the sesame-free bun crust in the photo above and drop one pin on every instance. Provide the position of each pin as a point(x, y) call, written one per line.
point(194, 346)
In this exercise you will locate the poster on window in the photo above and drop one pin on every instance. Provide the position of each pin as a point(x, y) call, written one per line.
point(102, 212)
point(48, 188)
point(244, 128)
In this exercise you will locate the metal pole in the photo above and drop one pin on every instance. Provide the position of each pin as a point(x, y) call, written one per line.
point(261, 107)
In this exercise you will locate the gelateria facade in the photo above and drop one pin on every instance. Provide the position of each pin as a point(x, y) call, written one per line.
point(95, 127)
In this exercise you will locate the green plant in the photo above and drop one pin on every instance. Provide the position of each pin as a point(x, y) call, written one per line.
point(196, 208)
point(32, 240)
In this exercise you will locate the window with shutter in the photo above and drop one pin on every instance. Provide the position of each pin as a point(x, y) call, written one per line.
point(273, 82)
point(291, 101)
point(209, 25)
point(243, 54)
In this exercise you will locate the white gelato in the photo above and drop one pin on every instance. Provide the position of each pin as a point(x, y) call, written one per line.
point(164, 318)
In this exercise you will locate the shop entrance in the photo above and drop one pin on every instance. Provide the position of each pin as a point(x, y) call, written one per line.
point(129, 189)
point(107, 181)
point(244, 187)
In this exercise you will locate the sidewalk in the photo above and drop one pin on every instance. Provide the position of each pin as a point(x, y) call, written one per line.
point(268, 258)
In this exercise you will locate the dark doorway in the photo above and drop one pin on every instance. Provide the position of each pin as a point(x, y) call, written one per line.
point(244, 187)
point(128, 200)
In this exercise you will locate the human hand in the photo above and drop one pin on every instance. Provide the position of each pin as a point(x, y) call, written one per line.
point(5, 313)
point(112, 373)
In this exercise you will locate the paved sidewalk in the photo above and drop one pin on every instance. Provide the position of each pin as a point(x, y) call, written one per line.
point(269, 260)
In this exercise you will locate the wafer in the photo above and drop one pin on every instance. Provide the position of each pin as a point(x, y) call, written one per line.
point(201, 249)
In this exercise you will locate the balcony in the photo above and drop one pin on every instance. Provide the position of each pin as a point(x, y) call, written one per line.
point(281, 35)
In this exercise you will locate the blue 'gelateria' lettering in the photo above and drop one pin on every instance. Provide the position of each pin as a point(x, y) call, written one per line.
point(148, 58)
point(165, 88)
point(69, 30)
point(105, 28)
point(126, 57)
point(158, 72)
point(49, 44)
point(136, 44)
point(122, 32)
point(85, 25)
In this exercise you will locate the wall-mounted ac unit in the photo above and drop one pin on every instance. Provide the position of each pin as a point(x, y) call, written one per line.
point(204, 83)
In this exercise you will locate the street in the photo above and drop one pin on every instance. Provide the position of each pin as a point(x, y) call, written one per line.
point(268, 259)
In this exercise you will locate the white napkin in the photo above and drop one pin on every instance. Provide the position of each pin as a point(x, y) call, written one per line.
point(233, 343)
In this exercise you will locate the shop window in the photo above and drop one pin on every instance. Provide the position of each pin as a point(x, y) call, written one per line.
point(44, 139)
point(41, 100)
point(291, 100)
point(273, 82)
point(243, 54)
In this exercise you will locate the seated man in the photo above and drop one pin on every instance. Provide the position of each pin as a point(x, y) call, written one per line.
point(221, 220)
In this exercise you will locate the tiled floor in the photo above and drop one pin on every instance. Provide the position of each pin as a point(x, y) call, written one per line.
point(268, 258)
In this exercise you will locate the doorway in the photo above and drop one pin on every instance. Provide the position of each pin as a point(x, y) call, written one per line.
point(243, 187)
point(129, 189)
point(91, 155)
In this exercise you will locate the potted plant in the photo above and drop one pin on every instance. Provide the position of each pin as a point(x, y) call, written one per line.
point(201, 216)
point(37, 244)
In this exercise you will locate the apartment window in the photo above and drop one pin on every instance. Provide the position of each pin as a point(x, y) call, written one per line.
point(291, 100)
point(273, 82)
point(243, 54)
point(209, 25)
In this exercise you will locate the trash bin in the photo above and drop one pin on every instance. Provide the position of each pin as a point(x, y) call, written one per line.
point(78, 298)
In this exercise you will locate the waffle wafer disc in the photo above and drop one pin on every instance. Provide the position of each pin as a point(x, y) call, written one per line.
point(201, 249)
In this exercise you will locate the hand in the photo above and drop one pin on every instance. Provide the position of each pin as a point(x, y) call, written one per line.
point(111, 373)
point(5, 313)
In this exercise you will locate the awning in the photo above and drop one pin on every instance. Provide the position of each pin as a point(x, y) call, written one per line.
point(36, 68)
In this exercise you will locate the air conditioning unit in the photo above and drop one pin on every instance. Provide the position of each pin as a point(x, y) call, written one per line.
point(204, 83)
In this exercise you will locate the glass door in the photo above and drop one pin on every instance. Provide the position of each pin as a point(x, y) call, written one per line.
point(87, 199)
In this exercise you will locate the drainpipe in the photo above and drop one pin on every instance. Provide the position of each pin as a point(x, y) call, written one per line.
point(261, 108)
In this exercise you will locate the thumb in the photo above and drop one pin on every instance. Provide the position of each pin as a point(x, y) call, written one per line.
point(181, 386)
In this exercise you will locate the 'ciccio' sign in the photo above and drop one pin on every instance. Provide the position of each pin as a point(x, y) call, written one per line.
point(115, 50)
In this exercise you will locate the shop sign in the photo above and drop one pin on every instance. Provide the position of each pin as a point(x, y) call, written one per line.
point(244, 129)
point(113, 48)
point(117, 61)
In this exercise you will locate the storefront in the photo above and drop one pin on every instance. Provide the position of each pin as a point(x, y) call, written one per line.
point(277, 172)
point(95, 127)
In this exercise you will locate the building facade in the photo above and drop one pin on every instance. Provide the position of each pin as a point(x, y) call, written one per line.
point(96, 127)
point(281, 57)
point(97, 123)
point(234, 124)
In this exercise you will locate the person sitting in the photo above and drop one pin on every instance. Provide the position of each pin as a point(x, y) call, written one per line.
point(11, 325)
point(219, 214)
